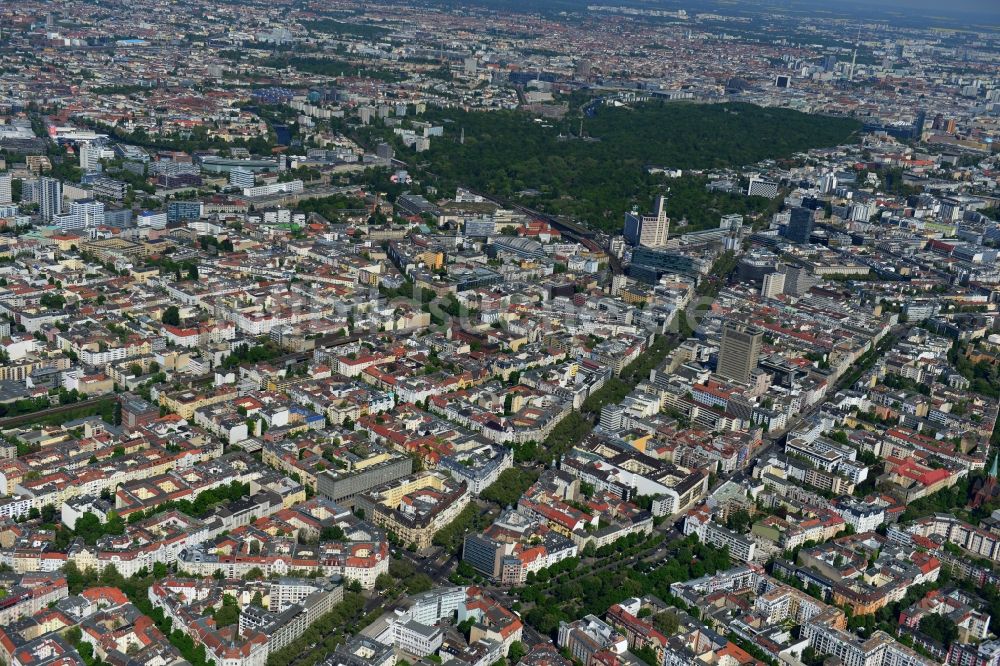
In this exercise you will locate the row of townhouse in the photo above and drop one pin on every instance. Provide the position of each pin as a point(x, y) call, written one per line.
point(361, 561)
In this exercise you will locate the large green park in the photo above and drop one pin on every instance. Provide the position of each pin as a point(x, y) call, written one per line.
point(598, 175)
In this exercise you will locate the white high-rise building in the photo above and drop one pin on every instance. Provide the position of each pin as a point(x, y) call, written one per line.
point(861, 212)
point(30, 191)
point(828, 183)
point(90, 157)
point(774, 285)
point(152, 219)
point(618, 282)
point(49, 197)
point(240, 177)
point(82, 214)
point(6, 196)
point(617, 246)
point(90, 210)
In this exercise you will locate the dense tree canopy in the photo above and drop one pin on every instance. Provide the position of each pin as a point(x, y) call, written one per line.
point(602, 175)
point(172, 316)
point(329, 67)
point(566, 591)
point(508, 488)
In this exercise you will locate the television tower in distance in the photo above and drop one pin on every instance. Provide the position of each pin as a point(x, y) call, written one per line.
point(854, 56)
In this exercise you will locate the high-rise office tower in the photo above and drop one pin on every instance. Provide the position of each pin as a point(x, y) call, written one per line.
point(49, 197)
point(733, 222)
point(774, 285)
point(648, 230)
point(739, 351)
point(918, 124)
point(800, 225)
point(612, 417)
point(798, 280)
point(6, 181)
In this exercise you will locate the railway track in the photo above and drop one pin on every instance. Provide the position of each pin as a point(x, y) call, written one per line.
point(53, 411)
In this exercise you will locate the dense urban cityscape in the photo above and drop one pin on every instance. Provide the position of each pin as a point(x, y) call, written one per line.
point(497, 333)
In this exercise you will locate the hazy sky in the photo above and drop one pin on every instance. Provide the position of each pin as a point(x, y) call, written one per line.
point(983, 10)
point(911, 13)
